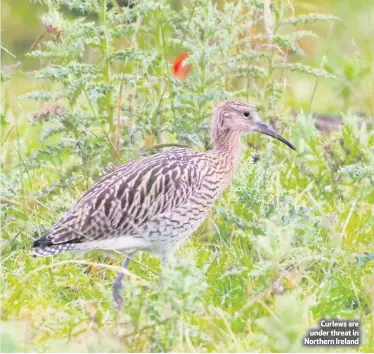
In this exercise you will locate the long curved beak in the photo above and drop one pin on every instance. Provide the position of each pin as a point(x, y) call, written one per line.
point(263, 128)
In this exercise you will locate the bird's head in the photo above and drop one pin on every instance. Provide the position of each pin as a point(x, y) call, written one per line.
point(239, 118)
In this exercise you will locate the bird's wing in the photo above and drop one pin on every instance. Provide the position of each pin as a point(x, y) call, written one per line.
point(125, 199)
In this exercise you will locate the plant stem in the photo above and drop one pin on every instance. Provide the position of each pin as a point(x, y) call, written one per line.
point(313, 93)
point(188, 23)
point(107, 71)
point(118, 126)
point(169, 80)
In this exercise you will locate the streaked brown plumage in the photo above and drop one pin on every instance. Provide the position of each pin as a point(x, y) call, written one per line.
point(156, 203)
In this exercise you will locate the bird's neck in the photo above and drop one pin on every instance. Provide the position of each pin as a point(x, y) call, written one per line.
point(228, 153)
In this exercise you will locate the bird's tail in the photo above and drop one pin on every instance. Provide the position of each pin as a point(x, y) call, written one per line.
point(43, 251)
point(62, 239)
point(55, 241)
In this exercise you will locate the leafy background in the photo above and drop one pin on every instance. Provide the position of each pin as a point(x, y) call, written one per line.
point(87, 85)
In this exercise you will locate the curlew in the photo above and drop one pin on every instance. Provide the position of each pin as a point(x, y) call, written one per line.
point(156, 203)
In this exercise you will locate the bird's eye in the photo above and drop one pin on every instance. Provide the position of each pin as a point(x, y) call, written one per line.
point(246, 114)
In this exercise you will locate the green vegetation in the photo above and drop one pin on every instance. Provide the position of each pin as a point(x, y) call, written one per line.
point(290, 243)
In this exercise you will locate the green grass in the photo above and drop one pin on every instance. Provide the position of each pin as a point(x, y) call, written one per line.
point(289, 243)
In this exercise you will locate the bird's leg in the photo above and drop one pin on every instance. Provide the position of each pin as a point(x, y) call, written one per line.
point(167, 258)
point(117, 285)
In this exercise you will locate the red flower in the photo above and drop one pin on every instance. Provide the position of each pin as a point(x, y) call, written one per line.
point(179, 68)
